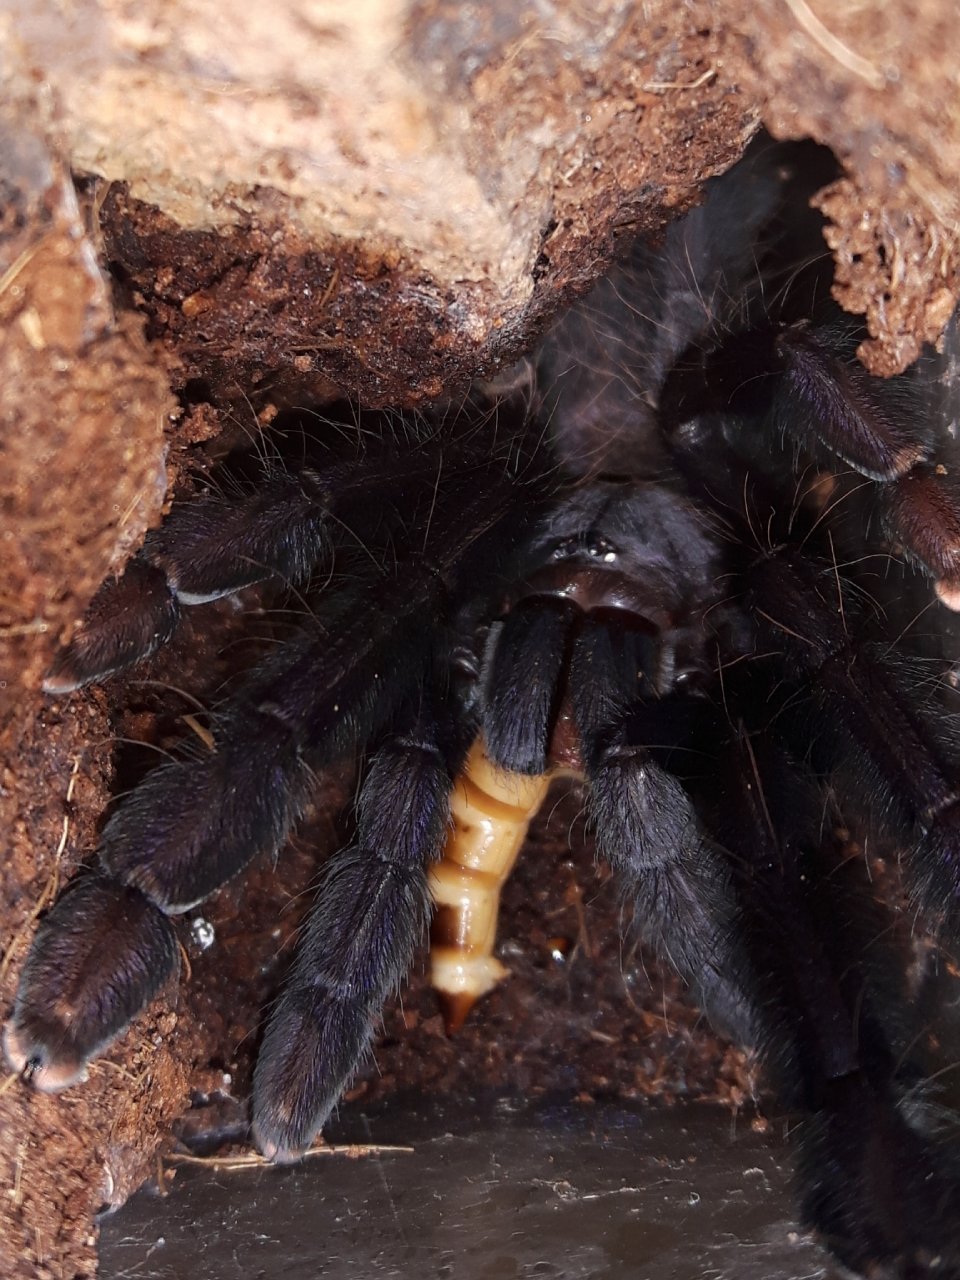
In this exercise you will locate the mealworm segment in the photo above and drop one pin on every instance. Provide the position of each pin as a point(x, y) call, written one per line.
point(490, 814)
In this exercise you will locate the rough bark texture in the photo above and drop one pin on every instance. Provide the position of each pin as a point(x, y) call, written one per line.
point(387, 199)
point(391, 196)
point(877, 84)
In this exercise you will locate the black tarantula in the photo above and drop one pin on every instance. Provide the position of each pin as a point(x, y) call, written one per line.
point(680, 565)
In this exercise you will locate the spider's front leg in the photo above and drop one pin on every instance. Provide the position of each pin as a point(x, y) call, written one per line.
point(372, 909)
point(286, 527)
point(204, 550)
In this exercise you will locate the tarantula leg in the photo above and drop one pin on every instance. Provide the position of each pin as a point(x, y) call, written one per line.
point(801, 982)
point(213, 547)
point(912, 780)
point(525, 657)
point(877, 1182)
point(128, 619)
point(491, 811)
point(647, 830)
point(679, 886)
point(836, 400)
point(808, 962)
point(864, 420)
point(883, 1195)
point(820, 395)
point(210, 548)
point(107, 946)
point(372, 909)
point(192, 825)
point(921, 512)
point(102, 953)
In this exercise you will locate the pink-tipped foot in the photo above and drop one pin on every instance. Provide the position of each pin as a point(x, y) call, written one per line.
point(46, 1076)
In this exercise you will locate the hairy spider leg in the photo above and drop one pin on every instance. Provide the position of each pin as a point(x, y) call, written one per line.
point(288, 527)
point(882, 429)
point(910, 781)
point(803, 385)
point(372, 909)
point(841, 1041)
point(206, 549)
point(100, 955)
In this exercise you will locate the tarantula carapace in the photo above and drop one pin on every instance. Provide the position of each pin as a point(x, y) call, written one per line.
point(676, 565)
